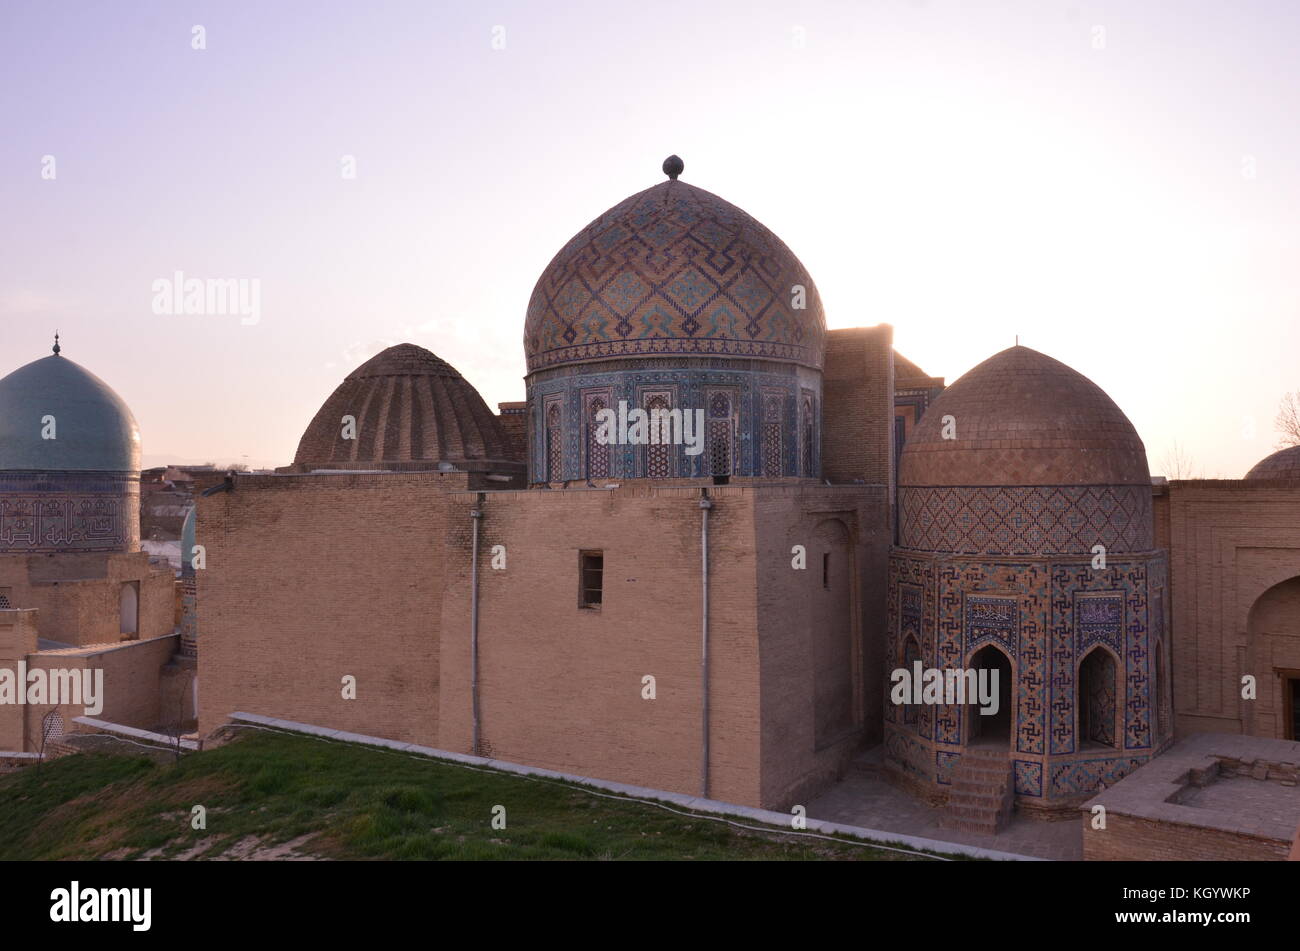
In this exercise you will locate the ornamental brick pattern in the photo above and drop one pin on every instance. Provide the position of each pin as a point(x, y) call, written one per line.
point(1025, 520)
point(674, 270)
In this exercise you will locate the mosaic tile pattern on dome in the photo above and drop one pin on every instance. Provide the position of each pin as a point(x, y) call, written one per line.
point(674, 270)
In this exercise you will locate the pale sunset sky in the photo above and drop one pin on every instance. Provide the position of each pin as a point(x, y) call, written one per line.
point(1118, 183)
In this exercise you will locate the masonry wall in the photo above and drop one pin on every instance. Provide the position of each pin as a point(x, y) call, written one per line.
point(131, 684)
point(561, 686)
point(1230, 541)
point(313, 578)
point(858, 406)
point(17, 640)
point(1134, 839)
point(78, 594)
point(819, 693)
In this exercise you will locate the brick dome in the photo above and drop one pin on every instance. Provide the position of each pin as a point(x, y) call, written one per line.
point(412, 410)
point(1043, 463)
point(1283, 465)
point(1023, 418)
point(673, 270)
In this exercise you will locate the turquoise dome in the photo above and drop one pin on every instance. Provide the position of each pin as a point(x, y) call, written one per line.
point(93, 428)
point(188, 541)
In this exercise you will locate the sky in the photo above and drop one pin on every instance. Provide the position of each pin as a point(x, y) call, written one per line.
point(1116, 183)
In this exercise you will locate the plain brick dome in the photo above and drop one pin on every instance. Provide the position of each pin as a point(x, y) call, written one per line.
point(1283, 465)
point(1024, 419)
point(412, 410)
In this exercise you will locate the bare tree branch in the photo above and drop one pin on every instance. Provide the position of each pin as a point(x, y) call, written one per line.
point(1288, 421)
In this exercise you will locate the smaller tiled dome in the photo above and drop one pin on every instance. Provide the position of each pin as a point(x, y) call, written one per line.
point(1282, 466)
point(412, 411)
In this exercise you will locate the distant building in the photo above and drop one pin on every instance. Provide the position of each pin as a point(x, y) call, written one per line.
point(76, 591)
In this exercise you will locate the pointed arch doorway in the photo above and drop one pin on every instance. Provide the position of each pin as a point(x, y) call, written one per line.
point(992, 730)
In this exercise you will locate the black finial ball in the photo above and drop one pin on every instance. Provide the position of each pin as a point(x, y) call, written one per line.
point(673, 167)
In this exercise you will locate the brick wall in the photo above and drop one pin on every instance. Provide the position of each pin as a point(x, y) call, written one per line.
point(1134, 839)
point(311, 578)
point(79, 594)
point(1230, 541)
point(816, 627)
point(561, 686)
point(858, 406)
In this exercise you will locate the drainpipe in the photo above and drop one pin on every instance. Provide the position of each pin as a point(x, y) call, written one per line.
point(705, 506)
point(476, 517)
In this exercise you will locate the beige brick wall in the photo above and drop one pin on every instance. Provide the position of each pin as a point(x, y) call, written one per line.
point(561, 686)
point(311, 578)
point(1230, 541)
point(858, 405)
point(78, 594)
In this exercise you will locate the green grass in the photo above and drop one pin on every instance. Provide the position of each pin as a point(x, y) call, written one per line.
point(343, 801)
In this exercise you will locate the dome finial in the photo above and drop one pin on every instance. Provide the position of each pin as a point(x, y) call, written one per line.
point(57, 348)
point(673, 166)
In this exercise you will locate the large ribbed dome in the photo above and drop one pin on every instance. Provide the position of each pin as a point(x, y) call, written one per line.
point(412, 411)
point(1041, 462)
point(1023, 418)
point(93, 428)
point(1281, 466)
point(674, 270)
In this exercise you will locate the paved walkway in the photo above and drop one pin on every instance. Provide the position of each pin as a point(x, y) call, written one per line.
point(864, 798)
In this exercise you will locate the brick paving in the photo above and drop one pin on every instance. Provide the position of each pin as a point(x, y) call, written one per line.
point(865, 798)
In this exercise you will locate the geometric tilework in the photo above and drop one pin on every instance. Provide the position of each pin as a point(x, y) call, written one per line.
point(674, 270)
point(1024, 520)
point(1062, 608)
point(1029, 778)
point(761, 396)
point(1086, 776)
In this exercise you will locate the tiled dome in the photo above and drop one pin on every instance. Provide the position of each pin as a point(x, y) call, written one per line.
point(674, 270)
point(412, 411)
point(95, 430)
point(1022, 418)
point(1283, 465)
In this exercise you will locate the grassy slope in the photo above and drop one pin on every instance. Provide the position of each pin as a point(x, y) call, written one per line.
point(337, 800)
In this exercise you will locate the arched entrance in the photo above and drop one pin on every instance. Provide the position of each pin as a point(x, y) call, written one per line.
point(1274, 643)
point(129, 608)
point(1098, 686)
point(993, 667)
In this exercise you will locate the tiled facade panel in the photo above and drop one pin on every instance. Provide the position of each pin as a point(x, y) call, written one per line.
point(69, 511)
point(1045, 616)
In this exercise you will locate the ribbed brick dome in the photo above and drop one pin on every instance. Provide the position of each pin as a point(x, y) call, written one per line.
point(674, 270)
point(1282, 466)
point(1022, 418)
point(412, 411)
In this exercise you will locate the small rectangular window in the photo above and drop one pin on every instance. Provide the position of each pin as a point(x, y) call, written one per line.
point(826, 571)
point(6, 599)
point(591, 578)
